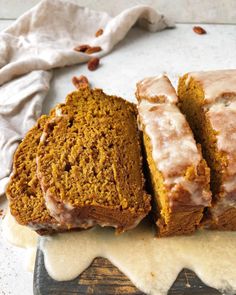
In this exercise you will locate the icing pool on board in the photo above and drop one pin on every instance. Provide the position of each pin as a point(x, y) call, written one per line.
point(152, 264)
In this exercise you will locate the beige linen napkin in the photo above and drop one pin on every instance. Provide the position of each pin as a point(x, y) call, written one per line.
point(43, 39)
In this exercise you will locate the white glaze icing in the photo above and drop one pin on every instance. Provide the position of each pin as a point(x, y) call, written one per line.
point(223, 121)
point(65, 216)
point(156, 88)
point(31, 256)
point(222, 205)
point(43, 137)
point(58, 111)
point(173, 146)
point(220, 105)
point(172, 142)
point(21, 236)
point(152, 264)
point(215, 83)
point(74, 221)
point(18, 235)
point(222, 117)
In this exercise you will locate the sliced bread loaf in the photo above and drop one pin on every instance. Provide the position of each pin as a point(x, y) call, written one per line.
point(25, 196)
point(179, 175)
point(90, 165)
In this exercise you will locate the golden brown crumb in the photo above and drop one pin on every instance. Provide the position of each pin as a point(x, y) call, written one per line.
point(99, 33)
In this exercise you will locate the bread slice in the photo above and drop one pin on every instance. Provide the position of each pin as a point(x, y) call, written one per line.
point(25, 196)
point(89, 163)
point(209, 101)
point(179, 175)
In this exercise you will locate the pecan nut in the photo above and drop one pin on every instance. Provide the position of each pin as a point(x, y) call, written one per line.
point(199, 30)
point(93, 63)
point(93, 49)
point(80, 82)
point(82, 48)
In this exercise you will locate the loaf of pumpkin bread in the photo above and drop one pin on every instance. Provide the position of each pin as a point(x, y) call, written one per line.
point(209, 101)
point(89, 163)
point(179, 175)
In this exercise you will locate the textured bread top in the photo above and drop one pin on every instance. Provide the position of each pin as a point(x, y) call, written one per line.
point(216, 84)
point(174, 149)
point(90, 154)
point(156, 89)
point(219, 91)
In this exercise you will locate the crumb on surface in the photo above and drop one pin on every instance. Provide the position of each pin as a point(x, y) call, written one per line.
point(99, 33)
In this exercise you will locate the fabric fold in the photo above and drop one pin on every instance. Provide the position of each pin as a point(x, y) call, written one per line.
point(44, 37)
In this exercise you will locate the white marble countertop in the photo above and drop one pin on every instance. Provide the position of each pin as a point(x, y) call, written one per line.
point(140, 54)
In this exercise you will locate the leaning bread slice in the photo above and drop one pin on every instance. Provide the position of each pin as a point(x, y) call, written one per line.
point(209, 101)
point(179, 175)
point(89, 163)
point(24, 192)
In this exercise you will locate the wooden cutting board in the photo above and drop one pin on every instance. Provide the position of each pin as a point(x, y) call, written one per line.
point(103, 278)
